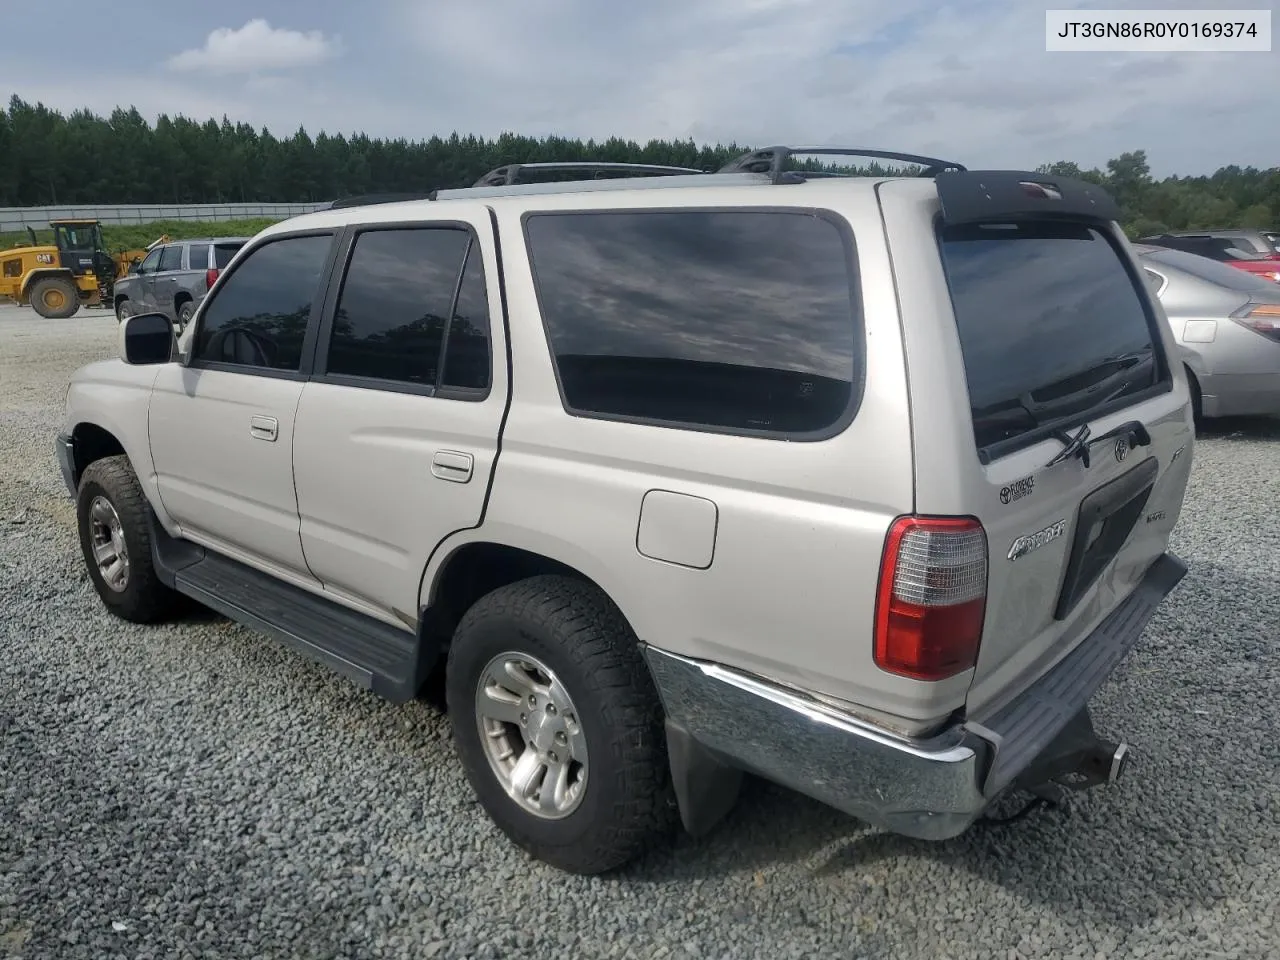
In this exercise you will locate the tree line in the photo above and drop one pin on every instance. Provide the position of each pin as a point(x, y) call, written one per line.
point(82, 158)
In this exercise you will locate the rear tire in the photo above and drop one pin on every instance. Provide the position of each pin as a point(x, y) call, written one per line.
point(115, 539)
point(614, 799)
point(55, 298)
point(186, 310)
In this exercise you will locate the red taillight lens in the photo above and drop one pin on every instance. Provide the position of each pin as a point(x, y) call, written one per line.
point(1263, 318)
point(210, 275)
point(932, 597)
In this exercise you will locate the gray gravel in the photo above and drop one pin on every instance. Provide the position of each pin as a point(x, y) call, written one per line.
point(196, 791)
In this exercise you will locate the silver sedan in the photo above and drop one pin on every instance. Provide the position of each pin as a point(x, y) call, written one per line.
point(1227, 324)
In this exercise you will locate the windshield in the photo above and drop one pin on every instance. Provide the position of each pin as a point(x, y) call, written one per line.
point(1212, 271)
point(1052, 325)
point(80, 236)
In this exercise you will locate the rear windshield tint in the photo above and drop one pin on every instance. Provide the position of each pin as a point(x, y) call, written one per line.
point(1052, 326)
point(223, 252)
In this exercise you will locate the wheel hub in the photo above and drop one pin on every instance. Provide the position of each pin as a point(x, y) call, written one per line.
point(106, 534)
point(531, 735)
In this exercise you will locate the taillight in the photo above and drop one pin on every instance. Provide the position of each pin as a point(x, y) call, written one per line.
point(210, 275)
point(1263, 318)
point(932, 597)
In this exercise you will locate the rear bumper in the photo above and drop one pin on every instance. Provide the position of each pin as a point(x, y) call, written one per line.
point(64, 447)
point(721, 721)
point(1241, 394)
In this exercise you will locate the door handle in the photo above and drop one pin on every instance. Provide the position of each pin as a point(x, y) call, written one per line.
point(452, 465)
point(264, 428)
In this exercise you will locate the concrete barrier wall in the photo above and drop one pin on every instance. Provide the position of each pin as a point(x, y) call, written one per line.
point(16, 219)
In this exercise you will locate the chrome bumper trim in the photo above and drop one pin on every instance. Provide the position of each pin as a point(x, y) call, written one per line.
point(931, 788)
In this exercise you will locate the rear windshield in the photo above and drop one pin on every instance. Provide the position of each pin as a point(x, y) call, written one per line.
point(223, 252)
point(1052, 327)
point(1214, 272)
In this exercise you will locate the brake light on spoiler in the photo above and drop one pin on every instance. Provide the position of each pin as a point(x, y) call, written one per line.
point(932, 597)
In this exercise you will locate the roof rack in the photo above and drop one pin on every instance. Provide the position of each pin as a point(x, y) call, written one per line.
point(771, 160)
point(507, 175)
point(371, 198)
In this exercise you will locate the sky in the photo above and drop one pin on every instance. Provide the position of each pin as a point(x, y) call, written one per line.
point(967, 80)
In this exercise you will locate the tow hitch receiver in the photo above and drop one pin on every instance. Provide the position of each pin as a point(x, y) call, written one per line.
point(1078, 759)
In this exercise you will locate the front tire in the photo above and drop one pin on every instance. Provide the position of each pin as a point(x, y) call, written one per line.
point(115, 540)
point(123, 309)
point(558, 724)
point(55, 298)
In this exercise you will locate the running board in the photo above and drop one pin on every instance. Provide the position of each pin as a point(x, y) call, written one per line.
point(390, 662)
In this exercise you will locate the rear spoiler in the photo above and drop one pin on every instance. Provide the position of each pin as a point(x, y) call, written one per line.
point(993, 196)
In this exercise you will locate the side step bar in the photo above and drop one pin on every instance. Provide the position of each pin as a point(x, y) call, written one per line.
point(391, 662)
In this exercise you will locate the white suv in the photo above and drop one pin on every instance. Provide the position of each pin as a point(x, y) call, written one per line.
point(860, 484)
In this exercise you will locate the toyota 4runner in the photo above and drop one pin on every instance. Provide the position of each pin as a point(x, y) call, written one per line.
point(861, 484)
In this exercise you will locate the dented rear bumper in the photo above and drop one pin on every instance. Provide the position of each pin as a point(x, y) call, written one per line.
point(721, 722)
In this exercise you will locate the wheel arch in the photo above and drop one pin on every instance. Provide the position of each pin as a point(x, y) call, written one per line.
point(96, 437)
point(467, 571)
point(35, 276)
point(93, 442)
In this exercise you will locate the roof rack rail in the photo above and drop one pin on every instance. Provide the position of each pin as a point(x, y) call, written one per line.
point(507, 175)
point(371, 198)
point(771, 160)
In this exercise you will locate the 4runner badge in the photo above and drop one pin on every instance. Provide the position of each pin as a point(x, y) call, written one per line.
point(1034, 541)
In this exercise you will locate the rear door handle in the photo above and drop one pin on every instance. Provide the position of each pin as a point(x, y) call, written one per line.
point(452, 465)
point(264, 428)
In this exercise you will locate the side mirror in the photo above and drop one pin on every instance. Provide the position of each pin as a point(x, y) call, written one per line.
point(145, 339)
point(135, 267)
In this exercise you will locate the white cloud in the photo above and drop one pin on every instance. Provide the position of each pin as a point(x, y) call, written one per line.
point(256, 46)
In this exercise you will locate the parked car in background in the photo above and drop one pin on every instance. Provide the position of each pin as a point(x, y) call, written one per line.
point(1265, 243)
point(174, 277)
point(1227, 324)
point(1232, 251)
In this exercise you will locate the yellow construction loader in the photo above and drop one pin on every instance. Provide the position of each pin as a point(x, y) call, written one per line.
point(75, 270)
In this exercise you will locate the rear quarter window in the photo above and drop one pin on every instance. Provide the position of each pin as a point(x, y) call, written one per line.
point(223, 252)
point(1053, 327)
point(740, 321)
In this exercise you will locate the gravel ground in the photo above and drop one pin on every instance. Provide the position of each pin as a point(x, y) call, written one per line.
point(196, 791)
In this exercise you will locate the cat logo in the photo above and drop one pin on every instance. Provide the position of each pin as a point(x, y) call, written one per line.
point(44, 258)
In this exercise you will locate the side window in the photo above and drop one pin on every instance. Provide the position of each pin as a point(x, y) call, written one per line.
point(395, 299)
point(150, 262)
point(258, 318)
point(466, 352)
point(171, 258)
point(198, 256)
point(737, 320)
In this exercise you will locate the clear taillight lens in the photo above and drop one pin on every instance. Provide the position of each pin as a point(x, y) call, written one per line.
point(1263, 318)
point(932, 597)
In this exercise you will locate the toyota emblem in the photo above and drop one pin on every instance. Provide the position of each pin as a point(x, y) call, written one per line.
point(1122, 448)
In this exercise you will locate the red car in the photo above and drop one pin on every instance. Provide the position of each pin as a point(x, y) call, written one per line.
point(1224, 249)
